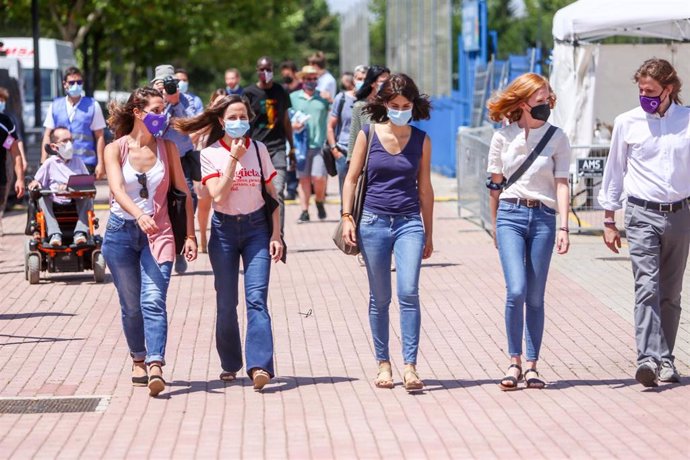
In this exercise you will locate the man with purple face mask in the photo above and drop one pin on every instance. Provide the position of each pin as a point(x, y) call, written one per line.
point(649, 164)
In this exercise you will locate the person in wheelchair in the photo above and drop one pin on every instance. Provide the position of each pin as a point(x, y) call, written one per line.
point(54, 174)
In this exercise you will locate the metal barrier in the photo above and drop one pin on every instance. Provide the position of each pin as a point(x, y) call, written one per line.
point(472, 148)
point(586, 173)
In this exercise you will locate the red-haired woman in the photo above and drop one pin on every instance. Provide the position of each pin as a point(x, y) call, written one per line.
point(524, 213)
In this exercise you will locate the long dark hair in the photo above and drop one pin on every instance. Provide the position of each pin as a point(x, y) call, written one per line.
point(398, 84)
point(373, 74)
point(121, 119)
point(207, 121)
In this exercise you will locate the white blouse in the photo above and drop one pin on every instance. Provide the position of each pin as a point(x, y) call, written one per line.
point(509, 149)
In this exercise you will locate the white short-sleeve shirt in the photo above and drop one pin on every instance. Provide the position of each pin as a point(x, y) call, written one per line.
point(98, 121)
point(509, 149)
point(245, 195)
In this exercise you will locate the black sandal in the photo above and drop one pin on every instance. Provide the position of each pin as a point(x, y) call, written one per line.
point(139, 381)
point(509, 378)
point(156, 383)
point(536, 383)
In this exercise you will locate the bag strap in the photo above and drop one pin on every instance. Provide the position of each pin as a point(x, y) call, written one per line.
point(532, 157)
point(370, 137)
point(339, 113)
point(261, 168)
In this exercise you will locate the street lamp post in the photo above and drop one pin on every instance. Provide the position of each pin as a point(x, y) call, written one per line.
point(37, 68)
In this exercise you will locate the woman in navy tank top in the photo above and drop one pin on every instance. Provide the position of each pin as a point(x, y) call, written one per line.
point(397, 216)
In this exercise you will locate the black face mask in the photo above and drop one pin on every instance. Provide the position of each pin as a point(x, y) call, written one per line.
point(541, 112)
point(288, 79)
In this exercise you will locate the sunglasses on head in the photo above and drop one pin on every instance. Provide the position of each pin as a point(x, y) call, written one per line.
point(144, 192)
point(75, 82)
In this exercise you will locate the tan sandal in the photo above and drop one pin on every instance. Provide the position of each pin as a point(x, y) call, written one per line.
point(260, 378)
point(384, 378)
point(411, 380)
point(156, 383)
point(140, 377)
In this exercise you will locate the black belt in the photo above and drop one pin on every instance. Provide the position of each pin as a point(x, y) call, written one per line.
point(661, 207)
point(524, 202)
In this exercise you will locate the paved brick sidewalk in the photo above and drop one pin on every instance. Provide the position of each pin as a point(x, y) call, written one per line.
point(64, 337)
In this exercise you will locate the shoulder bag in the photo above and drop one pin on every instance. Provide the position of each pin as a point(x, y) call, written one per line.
point(271, 204)
point(358, 204)
point(532, 157)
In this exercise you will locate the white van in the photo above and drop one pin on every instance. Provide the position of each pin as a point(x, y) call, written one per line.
point(55, 56)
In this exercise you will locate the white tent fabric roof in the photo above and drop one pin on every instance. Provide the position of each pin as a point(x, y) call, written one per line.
point(592, 20)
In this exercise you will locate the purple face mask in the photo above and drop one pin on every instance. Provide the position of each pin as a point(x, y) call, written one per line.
point(650, 104)
point(155, 123)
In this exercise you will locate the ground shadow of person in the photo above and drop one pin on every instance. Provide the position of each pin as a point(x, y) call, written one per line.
point(278, 384)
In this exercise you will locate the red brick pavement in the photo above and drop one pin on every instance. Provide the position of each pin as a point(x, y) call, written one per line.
point(63, 337)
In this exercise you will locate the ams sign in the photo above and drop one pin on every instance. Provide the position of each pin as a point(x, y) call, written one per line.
point(590, 167)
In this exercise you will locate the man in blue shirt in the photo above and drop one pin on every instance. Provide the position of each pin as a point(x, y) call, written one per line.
point(183, 86)
point(84, 118)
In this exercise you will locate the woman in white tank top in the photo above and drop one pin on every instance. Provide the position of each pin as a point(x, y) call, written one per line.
point(139, 246)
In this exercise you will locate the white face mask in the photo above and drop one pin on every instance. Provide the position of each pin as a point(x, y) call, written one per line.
point(66, 150)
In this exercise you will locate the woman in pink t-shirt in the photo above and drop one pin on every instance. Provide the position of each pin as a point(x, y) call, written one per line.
point(233, 167)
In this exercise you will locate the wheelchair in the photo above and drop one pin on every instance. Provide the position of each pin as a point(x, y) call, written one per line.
point(40, 256)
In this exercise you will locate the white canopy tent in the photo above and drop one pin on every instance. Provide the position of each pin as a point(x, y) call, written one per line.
point(593, 20)
point(593, 81)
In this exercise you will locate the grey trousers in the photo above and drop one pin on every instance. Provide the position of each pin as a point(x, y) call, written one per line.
point(659, 243)
point(83, 205)
point(279, 184)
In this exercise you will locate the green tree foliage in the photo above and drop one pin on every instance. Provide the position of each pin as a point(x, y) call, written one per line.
point(517, 34)
point(120, 42)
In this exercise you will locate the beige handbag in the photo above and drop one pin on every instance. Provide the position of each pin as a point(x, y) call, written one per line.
point(360, 191)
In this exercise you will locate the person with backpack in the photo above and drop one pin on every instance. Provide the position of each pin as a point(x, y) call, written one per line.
point(338, 134)
point(529, 163)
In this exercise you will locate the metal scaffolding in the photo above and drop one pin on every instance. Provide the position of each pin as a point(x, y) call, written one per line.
point(419, 42)
point(354, 37)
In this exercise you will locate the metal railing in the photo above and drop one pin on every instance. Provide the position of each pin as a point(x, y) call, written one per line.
point(586, 172)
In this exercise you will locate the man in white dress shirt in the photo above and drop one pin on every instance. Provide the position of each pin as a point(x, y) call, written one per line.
point(649, 166)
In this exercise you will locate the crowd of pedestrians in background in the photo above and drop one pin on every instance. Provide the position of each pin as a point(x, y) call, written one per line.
point(246, 151)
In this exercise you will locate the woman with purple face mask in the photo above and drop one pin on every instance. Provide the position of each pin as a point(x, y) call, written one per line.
point(139, 246)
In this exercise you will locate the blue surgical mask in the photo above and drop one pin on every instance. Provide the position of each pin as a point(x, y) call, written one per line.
point(236, 128)
point(74, 90)
point(310, 85)
point(2, 106)
point(399, 117)
point(358, 84)
point(183, 86)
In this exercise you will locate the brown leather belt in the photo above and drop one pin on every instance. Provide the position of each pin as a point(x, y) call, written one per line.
point(524, 202)
point(661, 207)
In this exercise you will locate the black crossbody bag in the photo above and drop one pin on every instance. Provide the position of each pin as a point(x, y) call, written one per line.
point(271, 203)
point(525, 164)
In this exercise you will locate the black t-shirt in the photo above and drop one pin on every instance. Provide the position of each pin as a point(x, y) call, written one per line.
point(269, 107)
point(6, 129)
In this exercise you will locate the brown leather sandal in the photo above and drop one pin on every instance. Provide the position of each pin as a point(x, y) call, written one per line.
point(260, 378)
point(139, 380)
point(156, 383)
point(227, 376)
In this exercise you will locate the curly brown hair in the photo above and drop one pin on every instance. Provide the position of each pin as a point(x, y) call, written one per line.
point(398, 84)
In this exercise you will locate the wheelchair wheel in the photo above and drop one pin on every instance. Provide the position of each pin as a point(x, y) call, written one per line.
point(26, 260)
point(33, 268)
point(98, 267)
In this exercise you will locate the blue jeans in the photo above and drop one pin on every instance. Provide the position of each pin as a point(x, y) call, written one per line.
point(231, 237)
point(525, 239)
point(380, 235)
point(142, 286)
point(341, 166)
